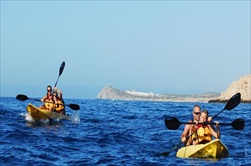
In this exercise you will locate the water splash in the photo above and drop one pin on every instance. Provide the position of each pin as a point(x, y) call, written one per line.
point(28, 118)
point(75, 117)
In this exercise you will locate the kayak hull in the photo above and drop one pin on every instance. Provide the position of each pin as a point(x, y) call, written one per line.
point(38, 113)
point(213, 149)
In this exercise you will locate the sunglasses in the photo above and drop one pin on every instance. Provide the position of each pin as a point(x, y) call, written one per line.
point(197, 113)
point(49, 90)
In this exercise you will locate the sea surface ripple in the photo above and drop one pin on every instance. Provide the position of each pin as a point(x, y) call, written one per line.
point(113, 133)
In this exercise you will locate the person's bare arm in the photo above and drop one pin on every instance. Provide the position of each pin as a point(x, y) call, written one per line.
point(216, 134)
point(185, 132)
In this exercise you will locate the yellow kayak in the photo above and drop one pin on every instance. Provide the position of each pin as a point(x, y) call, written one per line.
point(38, 113)
point(213, 149)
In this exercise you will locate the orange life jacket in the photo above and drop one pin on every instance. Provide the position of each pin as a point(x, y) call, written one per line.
point(204, 134)
point(59, 106)
point(48, 103)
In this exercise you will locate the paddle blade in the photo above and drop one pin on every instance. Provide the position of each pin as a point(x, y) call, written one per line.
point(164, 153)
point(172, 124)
point(61, 69)
point(21, 97)
point(233, 102)
point(238, 124)
point(74, 106)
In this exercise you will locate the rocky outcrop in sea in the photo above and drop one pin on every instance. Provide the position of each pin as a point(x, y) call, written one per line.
point(242, 86)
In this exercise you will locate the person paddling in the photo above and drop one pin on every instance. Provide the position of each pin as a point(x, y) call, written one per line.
point(58, 101)
point(205, 131)
point(48, 99)
point(196, 117)
point(187, 130)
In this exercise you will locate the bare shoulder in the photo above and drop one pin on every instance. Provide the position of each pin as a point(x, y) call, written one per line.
point(190, 120)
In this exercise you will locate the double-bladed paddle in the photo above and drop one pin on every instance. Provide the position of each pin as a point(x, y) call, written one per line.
point(231, 104)
point(22, 97)
point(173, 123)
point(61, 69)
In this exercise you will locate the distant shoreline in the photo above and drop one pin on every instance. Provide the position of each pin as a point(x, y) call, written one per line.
point(110, 93)
point(242, 86)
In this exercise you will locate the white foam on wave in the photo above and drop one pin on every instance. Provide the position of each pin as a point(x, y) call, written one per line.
point(75, 117)
point(29, 118)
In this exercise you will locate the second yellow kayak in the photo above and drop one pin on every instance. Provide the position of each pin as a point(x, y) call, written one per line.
point(38, 113)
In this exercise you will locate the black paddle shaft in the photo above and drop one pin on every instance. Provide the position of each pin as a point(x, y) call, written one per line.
point(22, 97)
point(173, 123)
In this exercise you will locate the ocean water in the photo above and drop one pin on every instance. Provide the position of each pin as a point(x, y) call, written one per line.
point(108, 132)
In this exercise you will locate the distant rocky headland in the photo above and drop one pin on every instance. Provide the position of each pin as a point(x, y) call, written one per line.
point(110, 93)
point(243, 86)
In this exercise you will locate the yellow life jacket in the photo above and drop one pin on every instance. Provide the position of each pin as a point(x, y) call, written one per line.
point(204, 134)
point(48, 104)
point(59, 106)
point(194, 136)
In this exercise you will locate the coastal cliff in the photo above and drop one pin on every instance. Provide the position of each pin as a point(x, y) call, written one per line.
point(243, 86)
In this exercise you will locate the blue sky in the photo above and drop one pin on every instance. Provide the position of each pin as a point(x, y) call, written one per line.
point(183, 47)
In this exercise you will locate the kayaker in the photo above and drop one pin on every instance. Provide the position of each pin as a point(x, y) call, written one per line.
point(58, 101)
point(204, 132)
point(186, 132)
point(48, 99)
